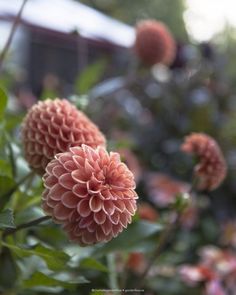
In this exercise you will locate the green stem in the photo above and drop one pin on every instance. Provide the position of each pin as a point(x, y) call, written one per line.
point(162, 242)
point(194, 184)
point(13, 29)
point(165, 236)
point(5, 197)
point(11, 231)
point(113, 282)
point(20, 182)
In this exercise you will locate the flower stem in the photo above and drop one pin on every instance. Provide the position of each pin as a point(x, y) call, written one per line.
point(113, 282)
point(162, 242)
point(13, 29)
point(6, 196)
point(194, 184)
point(11, 231)
point(174, 221)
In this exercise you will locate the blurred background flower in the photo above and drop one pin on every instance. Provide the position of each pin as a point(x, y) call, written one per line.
point(84, 51)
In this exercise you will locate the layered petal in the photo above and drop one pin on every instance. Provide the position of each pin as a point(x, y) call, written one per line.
point(211, 168)
point(91, 192)
point(53, 126)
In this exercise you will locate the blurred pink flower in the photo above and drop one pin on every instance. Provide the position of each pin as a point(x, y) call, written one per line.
point(147, 212)
point(163, 189)
point(53, 126)
point(192, 275)
point(223, 261)
point(214, 287)
point(90, 192)
point(154, 43)
point(211, 169)
point(217, 269)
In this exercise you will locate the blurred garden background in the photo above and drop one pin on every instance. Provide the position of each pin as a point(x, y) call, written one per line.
point(85, 51)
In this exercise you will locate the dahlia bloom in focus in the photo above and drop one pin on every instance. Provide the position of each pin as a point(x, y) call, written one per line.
point(154, 43)
point(53, 126)
point(211, 169)
point(90, 192)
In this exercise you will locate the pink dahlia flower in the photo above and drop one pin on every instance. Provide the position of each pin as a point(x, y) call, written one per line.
point(53, 126)
point(90, 192)
point(211, 169)
point(154, 43)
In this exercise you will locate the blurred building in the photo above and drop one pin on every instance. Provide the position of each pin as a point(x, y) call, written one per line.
point(57, 39)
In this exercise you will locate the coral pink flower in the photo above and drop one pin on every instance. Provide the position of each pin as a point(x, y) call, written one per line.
point(90, 192)
point(51, 127)
point(147, 212)
point(154, 43)
point(211, 169)
point(215, 287)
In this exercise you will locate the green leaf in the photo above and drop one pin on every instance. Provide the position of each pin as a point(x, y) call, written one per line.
point(96, 292)
point(5, 169)
point(12, 121)
point(3, 102)
point(55, 259)
point(8, 270)
point(92, 264)
point(40, 279)
point(7, 219)
point(23, 216)
point(89, 77)
point(7, 186)
point(130, 237)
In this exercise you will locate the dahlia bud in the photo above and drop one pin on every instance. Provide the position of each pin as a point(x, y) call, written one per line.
point(90, 192)
point(53, 126)
point(154, 43)
point(211, 168)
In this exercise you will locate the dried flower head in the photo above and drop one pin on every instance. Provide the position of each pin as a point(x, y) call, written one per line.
point(154, 43)
point(90, 192)
point(53, 126)
point(211, 169)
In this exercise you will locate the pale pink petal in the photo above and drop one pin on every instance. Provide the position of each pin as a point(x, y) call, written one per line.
point(83, 208)
point(69, 200)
